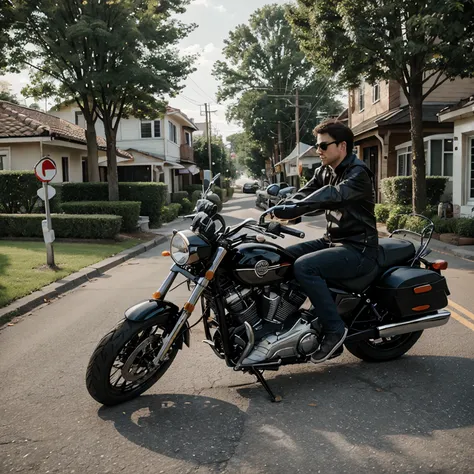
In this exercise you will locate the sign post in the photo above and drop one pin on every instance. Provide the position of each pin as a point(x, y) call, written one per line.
point(45, 171)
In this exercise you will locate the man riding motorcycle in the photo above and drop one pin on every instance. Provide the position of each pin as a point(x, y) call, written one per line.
point(342, 188)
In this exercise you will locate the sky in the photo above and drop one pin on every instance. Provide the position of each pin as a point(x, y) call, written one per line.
point(215, 19)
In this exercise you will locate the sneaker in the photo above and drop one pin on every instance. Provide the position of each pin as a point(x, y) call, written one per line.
point(331, 343)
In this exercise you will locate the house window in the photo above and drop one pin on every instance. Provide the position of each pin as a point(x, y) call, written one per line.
point(150, 129)
point(362, 97)
point(79, 119)
point(441, 157)
point(85, 170)
point(187, 136)
point(4, 159)
point(65, 166)
point(172, 132)
point(404, 161)
point(376, 92)
point(471, 177)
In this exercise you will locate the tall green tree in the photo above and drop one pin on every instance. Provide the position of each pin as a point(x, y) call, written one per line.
point(221, 161)
point(114, 58)
point(420, 44)
point(6, 21)
point(249, 154)
point(263, 66)
point(9, 97)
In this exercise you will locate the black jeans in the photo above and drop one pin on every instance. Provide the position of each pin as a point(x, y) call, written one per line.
point(316, 262)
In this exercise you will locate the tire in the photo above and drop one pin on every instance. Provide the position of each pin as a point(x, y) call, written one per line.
point(385, 351)
point(101, 362)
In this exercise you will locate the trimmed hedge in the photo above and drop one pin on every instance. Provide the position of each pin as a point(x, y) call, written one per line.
point(398, 190)
point(151, 195)
point(192, 187)
point(230, 192)
point(171, 212)
point(187, 206)
point(382, 212)
point(463, 227)
point(196, 196)
point(220, 192)
point(179, 196)
point(64, 225)
point(18, 191)
point(128, 210)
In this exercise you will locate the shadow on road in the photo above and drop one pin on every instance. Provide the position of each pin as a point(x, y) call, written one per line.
point(196, 429)
point(332, 409)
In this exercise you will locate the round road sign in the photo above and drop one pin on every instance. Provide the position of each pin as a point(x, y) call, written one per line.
point(45, 170)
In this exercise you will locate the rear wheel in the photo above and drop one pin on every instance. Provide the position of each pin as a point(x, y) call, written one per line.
point(383, 349)
point(121, 367)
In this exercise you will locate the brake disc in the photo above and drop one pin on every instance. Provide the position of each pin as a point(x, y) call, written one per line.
point(129, 373)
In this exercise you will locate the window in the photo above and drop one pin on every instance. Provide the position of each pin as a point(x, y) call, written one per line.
point(79, 119)
point(85, 170)
point(441, 157)
point(362, 97)
point(4, 159)
point(187, 136)
point(172, 132)
point(65, 166)
point(150, 129)
point(471, 177)
point(376, 92)
point(404, 161)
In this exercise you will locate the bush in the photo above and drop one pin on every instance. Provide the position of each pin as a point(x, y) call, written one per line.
point(187, 206)
point(128, 210)
point(64, 225)
point(171, 212)
point(382, 212)
point(191, 188)
point(195, 196)
point(18, 191)
point(179, 196)
point(151, 195)
point(444, 226)
point(230, 192)
point(464, 227)
point(413, 223)
point(220, 192)
point(398, 190)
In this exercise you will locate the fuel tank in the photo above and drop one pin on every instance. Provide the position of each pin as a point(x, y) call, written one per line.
point(261, 264)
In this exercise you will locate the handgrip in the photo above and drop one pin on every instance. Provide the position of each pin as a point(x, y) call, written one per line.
point(294, 232)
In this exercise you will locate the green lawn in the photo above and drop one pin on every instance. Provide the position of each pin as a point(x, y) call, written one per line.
point(22, 264)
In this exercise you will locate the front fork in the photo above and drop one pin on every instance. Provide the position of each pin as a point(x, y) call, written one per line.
point(188, 308)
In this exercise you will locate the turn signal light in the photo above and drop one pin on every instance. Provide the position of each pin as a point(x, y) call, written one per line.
point(156, 295)
point(209, 275)
point(439, 265)
point(422, 289)
point(166, 253)
point(421, 308)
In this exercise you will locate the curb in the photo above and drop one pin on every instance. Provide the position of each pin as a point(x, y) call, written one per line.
point(53, 290)
point(441, 246)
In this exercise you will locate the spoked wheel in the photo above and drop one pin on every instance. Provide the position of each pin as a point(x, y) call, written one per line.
point(383, 349)
point(121, 367)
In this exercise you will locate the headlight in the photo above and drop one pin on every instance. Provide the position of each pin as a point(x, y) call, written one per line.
point(179, 249)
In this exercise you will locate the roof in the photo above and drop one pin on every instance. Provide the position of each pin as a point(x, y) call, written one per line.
point(173, 110)
point(398, 116)
point(460, 105)
point(17, 121)
point(343, 116)
point(305, 150)
point(147, 153)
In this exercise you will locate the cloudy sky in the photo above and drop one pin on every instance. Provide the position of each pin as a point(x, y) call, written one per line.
point(215, 19)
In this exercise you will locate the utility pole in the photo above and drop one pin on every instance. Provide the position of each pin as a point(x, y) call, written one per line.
point(208, 134)
point(297, 124)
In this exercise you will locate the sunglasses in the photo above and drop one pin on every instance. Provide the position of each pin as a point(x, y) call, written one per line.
point(324, 145)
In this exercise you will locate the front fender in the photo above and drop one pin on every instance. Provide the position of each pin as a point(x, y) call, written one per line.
point(162, 311)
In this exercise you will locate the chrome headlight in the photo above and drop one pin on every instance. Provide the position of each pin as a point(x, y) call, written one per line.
point(179, 249)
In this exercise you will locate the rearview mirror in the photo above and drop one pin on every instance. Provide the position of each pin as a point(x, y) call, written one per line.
point(273, 190)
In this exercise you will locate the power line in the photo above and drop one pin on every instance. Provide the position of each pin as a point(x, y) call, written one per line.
point(200, 88)
point(191, 101)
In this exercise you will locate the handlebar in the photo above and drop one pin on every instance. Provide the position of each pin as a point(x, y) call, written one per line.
point(294, 232)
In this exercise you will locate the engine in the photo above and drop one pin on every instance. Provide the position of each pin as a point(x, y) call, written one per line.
point(272, 304)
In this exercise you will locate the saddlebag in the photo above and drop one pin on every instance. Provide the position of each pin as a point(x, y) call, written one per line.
point(408, 291)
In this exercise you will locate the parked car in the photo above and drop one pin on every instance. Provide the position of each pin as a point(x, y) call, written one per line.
point(264, 200)
point(250, 188)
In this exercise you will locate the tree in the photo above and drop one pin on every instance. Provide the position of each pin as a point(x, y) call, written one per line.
point(417, 43)
point(263, 66)
point(221, 161)
point(249, 153)
point(113, 59)
point(9, 97)
point(6, 20)
point(34, 106)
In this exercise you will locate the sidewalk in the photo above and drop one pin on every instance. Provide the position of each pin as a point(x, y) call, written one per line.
point(463, 251)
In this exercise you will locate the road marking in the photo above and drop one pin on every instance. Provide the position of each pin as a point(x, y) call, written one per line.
point(459, 318)
point(460, 308)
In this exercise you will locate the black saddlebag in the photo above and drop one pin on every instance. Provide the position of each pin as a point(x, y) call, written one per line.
point(408, 291)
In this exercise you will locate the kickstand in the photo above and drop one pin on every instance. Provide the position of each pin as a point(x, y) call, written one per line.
point(261, 379)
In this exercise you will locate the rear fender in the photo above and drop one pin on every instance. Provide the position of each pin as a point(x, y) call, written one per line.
point(161, 311)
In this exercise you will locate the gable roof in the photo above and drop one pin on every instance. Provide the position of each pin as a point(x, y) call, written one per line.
point(17, 121)
point(461, 104)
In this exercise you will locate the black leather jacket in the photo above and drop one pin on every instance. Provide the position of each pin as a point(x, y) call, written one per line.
point(348, 197)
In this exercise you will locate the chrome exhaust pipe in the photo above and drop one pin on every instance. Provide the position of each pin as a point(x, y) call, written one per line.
point(248, 347)
point(417, 324)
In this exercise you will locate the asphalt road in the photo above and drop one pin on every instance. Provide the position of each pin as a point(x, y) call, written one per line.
point(415, 414)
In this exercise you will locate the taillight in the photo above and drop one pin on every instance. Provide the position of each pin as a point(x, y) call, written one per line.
point(439, 265)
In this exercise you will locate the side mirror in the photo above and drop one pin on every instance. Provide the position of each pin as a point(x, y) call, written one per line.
point(273, 190)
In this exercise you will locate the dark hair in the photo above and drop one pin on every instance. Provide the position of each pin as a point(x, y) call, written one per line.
point(338, 131)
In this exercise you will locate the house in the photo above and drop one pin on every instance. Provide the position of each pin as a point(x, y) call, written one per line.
point(26, 135)
point(161, 149)
point(461, 115)
point(379, 117)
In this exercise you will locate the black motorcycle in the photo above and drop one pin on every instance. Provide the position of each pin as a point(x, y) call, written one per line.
point(252, 307)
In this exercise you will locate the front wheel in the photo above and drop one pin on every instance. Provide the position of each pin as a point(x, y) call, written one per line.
point(121, 367)
point(381, 350)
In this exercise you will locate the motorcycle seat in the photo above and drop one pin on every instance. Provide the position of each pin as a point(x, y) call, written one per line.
point(394, 252)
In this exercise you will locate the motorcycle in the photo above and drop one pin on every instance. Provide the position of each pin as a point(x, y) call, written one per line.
point(252, 306)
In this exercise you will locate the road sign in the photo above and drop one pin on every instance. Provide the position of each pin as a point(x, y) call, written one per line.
point(41, 193)
point(45, 170)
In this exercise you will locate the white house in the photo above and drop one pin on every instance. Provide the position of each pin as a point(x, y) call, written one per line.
point(462, 115)
point(161, 149)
